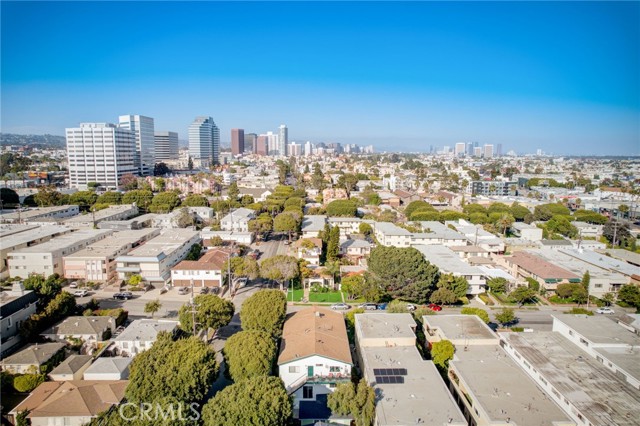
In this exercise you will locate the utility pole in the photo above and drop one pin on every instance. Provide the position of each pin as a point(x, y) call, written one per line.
point(193, 309)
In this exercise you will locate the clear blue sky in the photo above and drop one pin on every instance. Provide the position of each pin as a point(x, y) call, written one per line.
point(563, 77)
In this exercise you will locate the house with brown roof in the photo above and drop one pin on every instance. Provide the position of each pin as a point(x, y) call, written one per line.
point(526, 265)
point(36, 357)
point(205, 272)
point(314, 358)
point(70, 403)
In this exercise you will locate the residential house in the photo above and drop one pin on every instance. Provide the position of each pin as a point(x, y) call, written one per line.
point(406, 197)
point(204, 272)
point(390, 235)
point(238, 220)
point(312, 225)
point(309, 249)
point(70, 403)
point(109, 368)
point(71, 368)
point(332, 194)
point(140, 335)
point(87, 328)
point(449, 262)
point(16, 306)
point(314, 358)
point(526, 231)
point(34, 358)
point(348, 225)
point(526, 265)
point(436, 233)
point(245, 238)
point(389, 198)
point(259, 194)
point(355, 249)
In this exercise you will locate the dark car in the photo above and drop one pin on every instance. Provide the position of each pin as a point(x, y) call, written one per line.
point(382, 306)
point(125, 295)
point(204, 290)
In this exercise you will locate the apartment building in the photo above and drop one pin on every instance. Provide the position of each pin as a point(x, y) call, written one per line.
point(237, 220)
point(435, 233)
point(40, 213)
point(46, 258)
point(448, 262)
point(91, 219)
point(154, 259)
point(204, 272)
point(16, 305)
point(391, 235)
point(97, 262)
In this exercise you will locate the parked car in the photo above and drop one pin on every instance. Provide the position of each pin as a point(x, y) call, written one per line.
point(605, 310)
point(411, 307)
point(382, 306)
point(340, 306)
point(124, 295)
point(434, 307)
point(204, 290)
point(369, 306)
point(287, 242)
point(183, 290)
point(74, 284)
point(215, 290)
point(81, 293)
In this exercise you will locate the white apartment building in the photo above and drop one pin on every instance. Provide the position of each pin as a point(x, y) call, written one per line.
point(46, 258)
point(39, 213)
point(204, 140)
point(391, 235)
point(237, 220)
point(166, 146)
point(140, 335)
point(460, 149)
point(97, 261)
point(488, 151)
point(100, 152)
point(119, 212)
point(143, 128)
point(154, 259)
point(450, 263)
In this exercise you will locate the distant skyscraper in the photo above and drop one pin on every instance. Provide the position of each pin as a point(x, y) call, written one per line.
point(477, 151)
point(273, 145)
point(100, 152)
point(460, 149)
point(262, 145)
point(308, 148)
point(250, 142)
point(470, 149)
point(283, 140)
point(166, 146)
point(499, 150)
point(295, 149)
point(143, 128)
point(538, 152)
point(488, 151)
point(237, 141)
point(204, 140)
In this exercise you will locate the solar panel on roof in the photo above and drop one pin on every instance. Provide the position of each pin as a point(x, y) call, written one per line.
point(377, 372)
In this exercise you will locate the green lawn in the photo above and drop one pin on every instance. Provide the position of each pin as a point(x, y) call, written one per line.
point(297, 295)
point(330, 297)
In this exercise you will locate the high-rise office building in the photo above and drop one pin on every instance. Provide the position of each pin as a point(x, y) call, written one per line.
point(460, 149)
point(100, 152)
point(250, 140)
point(237, 141)
point(295, 149)
point(166, 146)
point(488, 151)
point(143, 127)
point(477, 151)
point(204, 140)
point(469, 149)
point(499, 150)
point(308, 148)
point(262, 145)
point(283, 140)
point(273, 147)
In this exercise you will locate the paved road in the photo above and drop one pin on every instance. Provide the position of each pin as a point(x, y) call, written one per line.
point(273, 247)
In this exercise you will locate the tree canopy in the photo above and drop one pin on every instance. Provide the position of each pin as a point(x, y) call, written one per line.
point(458, 285)
point(358, 401)
point(442, 352)
point(195, 200)
point(249, 353)
point(346, 208)
point(258, 401)
point(212, 311)
point(264, 311)
point(164, 202)
point(279, 268)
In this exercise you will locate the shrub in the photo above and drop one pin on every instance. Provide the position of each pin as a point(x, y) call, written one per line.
point(481, 313)
point(579, 311)
point(486, 299)
point(27, 382)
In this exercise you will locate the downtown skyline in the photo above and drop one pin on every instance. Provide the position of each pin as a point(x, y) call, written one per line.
point(405, 76)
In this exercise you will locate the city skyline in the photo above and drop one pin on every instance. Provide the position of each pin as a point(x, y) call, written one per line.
point(558, 77)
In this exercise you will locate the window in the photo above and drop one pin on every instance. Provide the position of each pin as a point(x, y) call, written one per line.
point(584, 342)
point(9, 322)
point(294, 369)
point(307, 392)
point(334, 369)
point(570, 333)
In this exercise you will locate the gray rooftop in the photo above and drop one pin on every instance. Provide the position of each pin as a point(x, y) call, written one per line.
point(499, 387)
point(72, 364)
point(110, 365)
point(468, 327)
point(66, 240)
point(380, 325)
point(603, 261)
point(241, 213)
point(36, 354)
point(36, 212)
point(162, 245)
point(78, 325)
point(435, 229)
point(596, 391)
point(626, 255)
point(313, 223)
point(389, 228)
point(145, 330)
point(600, 330)
point(10, 229)
point(445, 259)
point(355, 243)
point(100, 215)
point(31, 235)
point(577, 265)
point(114, 243)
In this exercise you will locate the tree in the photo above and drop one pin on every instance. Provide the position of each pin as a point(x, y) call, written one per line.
point(140, 197)
point(522, 295)
point(346, 208)
point(27, 382)
point(259, 400)
point(506, 316)
point(262, 224)
point(561, 225)
point(357, 401)
point(47, 196)
point(630, 294)
point(166, 371)
point(195, 200)
point(161, 169)
point(190, 164)
point(248, 354)
point(586, 280)
point(481, 313)
point(347, 181)
point(333, 245)
point(404, 272)
point(365, 228)
point(9, 196)
point(110, 197)
point(504, 222)
point(425, 215)
point(457, 285)
point(129, 182)
point(244, 267)
point(152, 307)
point(441, 353)
point(135, 280)
point(579, 295)
point(417, 205)
point(566, 290)
point(615, 232)
point(519, 212)
point(608, 298)
point(443, 296)
point(397, 306)
point(164, 202)
point(497, 285)
point(264, 311)
point(233, 192)
point(285, 222)
point(212, 311)
point(279, 268)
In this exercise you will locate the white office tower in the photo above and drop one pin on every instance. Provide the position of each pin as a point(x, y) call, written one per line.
point(488, 151)
point(460, 149)
point(100, 152)
point(477, 151)
point(295, 149)
point(204, 141)
point(308, 148)
point(273, 141)
point(166, 146)
point(143, 128)
point(283, 139)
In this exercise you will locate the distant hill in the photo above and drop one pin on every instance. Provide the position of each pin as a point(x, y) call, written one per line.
point(40, 141)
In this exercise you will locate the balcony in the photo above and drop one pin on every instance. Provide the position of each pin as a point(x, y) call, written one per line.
point(328, 379)
point(130, 268)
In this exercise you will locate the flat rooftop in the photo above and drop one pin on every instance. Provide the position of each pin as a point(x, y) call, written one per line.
point(7, 229)
point(65, 241)
point(579, 266)
point(434, 229)
point(390, 229)
point(170, 240)
point(468, 327)
point(421, 398)
point(603, 261)
point(445, 259)
point(503, 390)
point(376, 326)
point(114, 243)
point(595, 390)
point(36, 212)
point(27, 236)
point(101, 214)
point(599, 329)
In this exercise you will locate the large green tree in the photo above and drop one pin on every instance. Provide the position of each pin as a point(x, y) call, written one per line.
point(458, 285)
point(249, 353)
point(141, 197)
point(279, 268)
point(286, 222)
point(443, 296)
point(110, 197)
point(342, 208)
point(348, 182)
point(48, 196)
point(417, 205)
point(181, 369)
point(256, 401)
point(630, 294)
point(195, 200)
point(442, 352)
point(404, 272)
point(333, 245)
point(83, 198)
point(212, 311)
point(358, 401)
point(264, 311)
point(164, 202)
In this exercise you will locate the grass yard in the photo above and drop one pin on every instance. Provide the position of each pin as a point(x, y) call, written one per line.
point(330, 297)
point(297, 295)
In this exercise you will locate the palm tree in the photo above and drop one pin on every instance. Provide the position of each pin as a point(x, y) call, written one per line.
point(152, 307)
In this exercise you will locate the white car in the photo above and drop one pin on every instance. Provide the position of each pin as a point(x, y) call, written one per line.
point(340, 306)
point(81, 293)
point(605, 310)
point(73, 284)
point(411, 307)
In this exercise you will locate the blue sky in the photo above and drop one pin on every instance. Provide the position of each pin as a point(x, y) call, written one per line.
point(563, 77)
